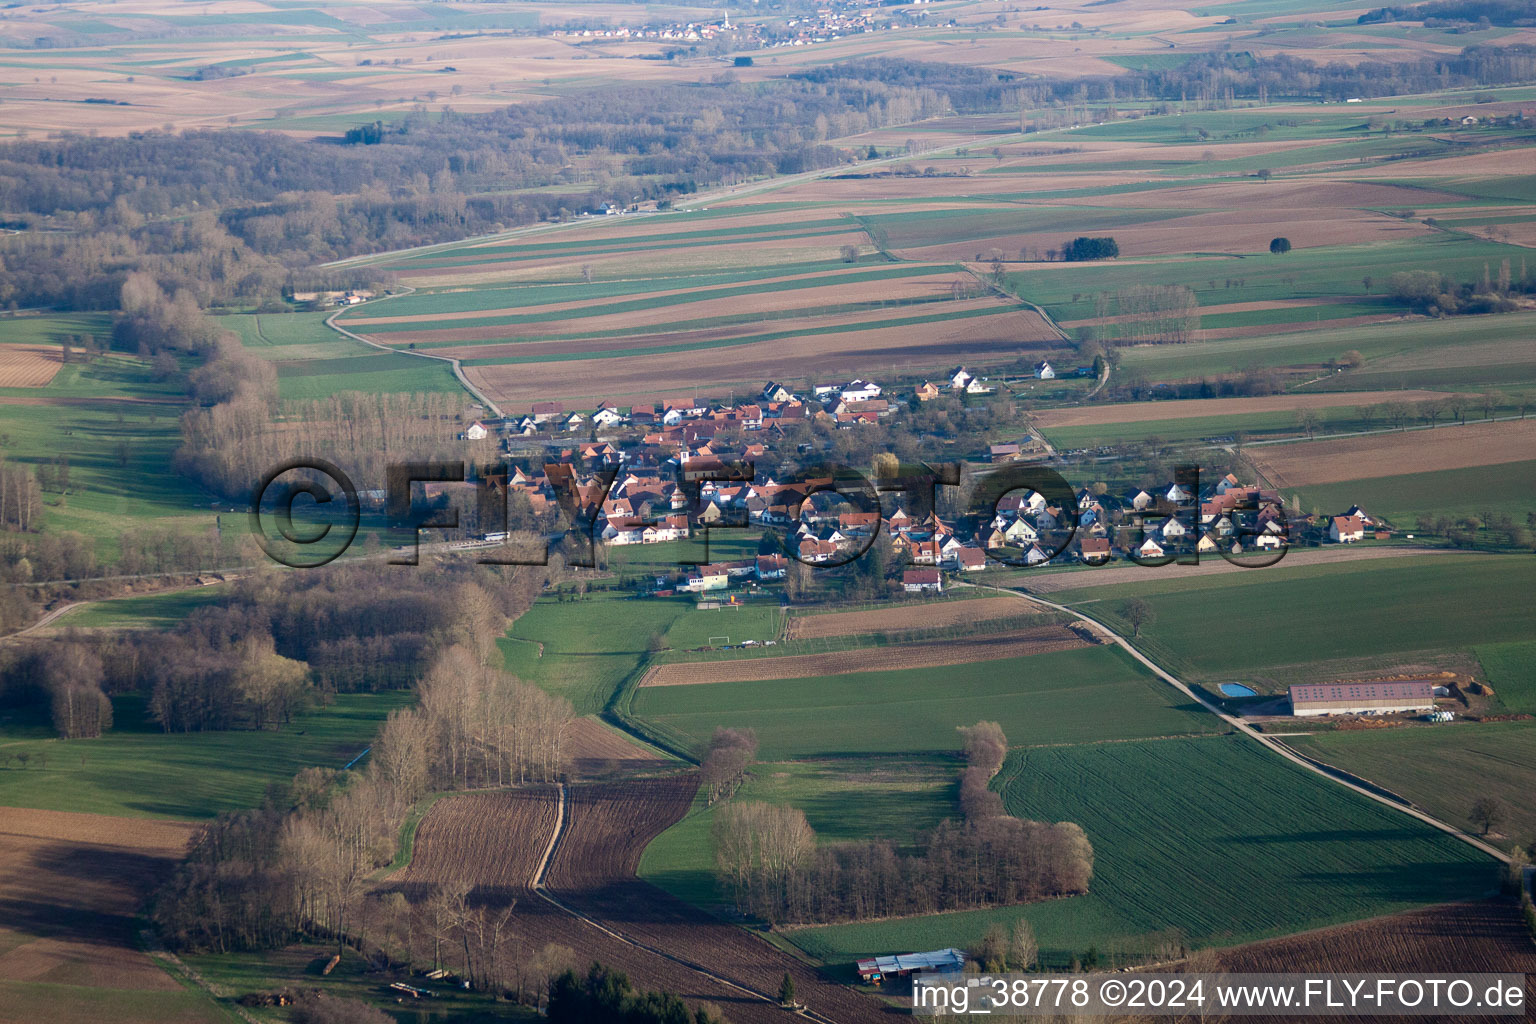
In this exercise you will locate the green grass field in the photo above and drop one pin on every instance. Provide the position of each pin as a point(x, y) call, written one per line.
point(118, 428)
point(1320, 272)
point(585, 650)
point(894, 798)
point(1509, 488)
point(1443, 768)
point(42, 1001)
point(1511, 671)
point(148, 611)
point(1073, 696)
point(1411, 353)
point(1212, 837)
point(313, 361)
point(1289, 623)
point(139, 771)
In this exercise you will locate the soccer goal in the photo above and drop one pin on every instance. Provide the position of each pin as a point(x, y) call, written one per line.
point(719, 641)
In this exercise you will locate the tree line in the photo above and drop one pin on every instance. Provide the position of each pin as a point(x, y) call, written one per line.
point(769, 857)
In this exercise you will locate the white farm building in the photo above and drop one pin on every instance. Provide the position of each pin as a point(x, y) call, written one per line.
point(1362, 698)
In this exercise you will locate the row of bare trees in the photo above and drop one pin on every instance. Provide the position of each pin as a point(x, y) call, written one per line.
point(985, 749)
point(1148, 314)
point(475, 726)
point(725, 763)
point(769, 857)
point(232, 444)
point(68, 675)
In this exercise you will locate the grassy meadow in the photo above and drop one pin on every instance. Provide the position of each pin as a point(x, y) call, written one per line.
point(1210, 839)
point(138, 770)
point(1364, 615)
point(1080, 695)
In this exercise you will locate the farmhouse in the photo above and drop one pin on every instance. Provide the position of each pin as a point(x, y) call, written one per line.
point(1362, 698)
point(916, 581)
point(1346, 529)
point(476, 431)
point(927, 391)
point(1044, 370)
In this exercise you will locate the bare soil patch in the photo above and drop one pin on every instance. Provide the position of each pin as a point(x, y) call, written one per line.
point(494, 839)
point(497, 840)
point(1139, 412)
point(596, 749)
point(920, 616)
point(1394, 454)
point(29, 366)
point(71, 886)
point(1486, 936)
point(1022, 643)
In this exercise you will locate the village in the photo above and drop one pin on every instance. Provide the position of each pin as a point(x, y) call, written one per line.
point(678, 468)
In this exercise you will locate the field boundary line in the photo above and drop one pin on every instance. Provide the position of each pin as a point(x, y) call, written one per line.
point(1243, 728)
point(540, 889)
point(458, 369)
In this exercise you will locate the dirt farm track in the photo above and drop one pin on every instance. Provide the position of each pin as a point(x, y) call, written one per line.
point(498, 839)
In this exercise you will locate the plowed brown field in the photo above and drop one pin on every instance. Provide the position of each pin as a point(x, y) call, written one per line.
point(595, 749)
point(498, 838)
point(28, 366)
point(919, 616)
point(593, 872)
point(71, 886)
point(1392, 454)
point(961, 651)
point(1465, 937)
point(492, 839)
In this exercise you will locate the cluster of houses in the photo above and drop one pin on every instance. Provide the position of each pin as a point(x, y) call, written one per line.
point(684, 474)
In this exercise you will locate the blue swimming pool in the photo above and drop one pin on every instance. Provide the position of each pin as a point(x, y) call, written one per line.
point(1237, 690)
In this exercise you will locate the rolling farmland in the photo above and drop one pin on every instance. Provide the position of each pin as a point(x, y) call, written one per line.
point(1211, 836)
point(1398, 610)
point(893, 658)
point(1081, 695)
point(502, 836)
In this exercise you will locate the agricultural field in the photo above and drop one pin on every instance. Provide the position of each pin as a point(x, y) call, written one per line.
point(138, 770)
point(927, 615)
point(1485, 935)
point(115, 425)
point(1395, 453)
point(592, 872)
point(654, 322)
point(1480, 491)
point(1443, 769)
point(1079, 695)
point(1399, 611)
point(894, 657)
point(72, 885)
point(1463, 353)
point(313, 361)
point(1279, 850)
point(896, 798)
